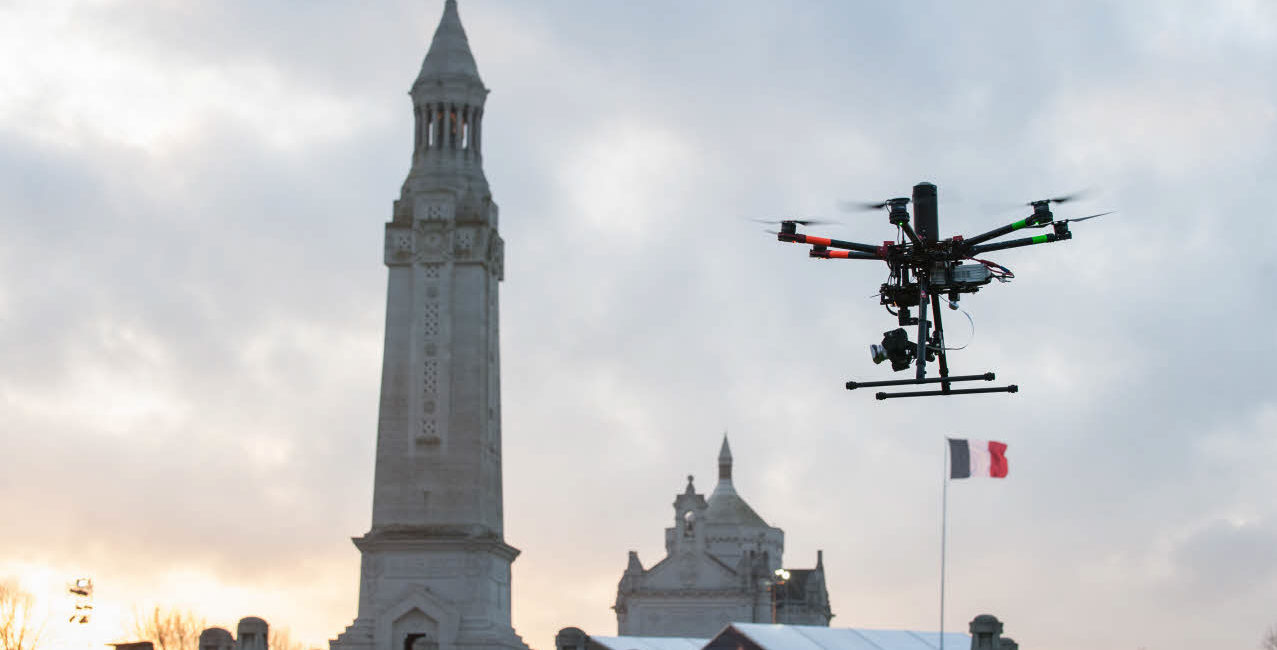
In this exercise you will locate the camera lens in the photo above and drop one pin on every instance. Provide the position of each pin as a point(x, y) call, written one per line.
point(878, 353)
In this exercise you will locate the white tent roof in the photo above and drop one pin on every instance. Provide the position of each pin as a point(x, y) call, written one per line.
point(810, 637)
point(649, 642)
point(799, 637)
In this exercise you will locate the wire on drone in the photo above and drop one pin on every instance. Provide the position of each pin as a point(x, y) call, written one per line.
point(1000, 273)
point(954, 304)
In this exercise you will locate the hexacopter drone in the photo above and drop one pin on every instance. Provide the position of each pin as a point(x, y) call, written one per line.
point(924, 268)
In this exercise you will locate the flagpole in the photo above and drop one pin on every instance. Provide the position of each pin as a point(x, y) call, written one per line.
point(944, 527)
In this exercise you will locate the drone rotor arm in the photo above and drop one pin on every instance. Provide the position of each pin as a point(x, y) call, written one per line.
point(826, 254)
point(799, 238)
point(1028, 222)
point(909, 232)
point(1017, 243)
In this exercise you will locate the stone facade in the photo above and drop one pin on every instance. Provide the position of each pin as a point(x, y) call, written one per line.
point(435, 570)
point(723, 564)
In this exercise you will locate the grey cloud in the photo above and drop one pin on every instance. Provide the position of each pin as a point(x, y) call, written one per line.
point(1226, 560)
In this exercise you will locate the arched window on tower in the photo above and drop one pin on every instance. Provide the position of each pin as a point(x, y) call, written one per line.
point(418, 139)
point(465, 127)
point(689, 523)
point(428, 127)
point(437, 130)
point(453, 127)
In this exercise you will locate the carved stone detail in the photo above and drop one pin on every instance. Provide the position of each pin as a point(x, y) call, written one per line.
point(399, 246)
point(462, 241)
point(430, 319)
point(432, 209)
point(432, 243)
point(496, 257)
point(430, 332)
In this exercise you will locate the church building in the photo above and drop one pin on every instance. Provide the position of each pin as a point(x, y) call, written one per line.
point(722, 564)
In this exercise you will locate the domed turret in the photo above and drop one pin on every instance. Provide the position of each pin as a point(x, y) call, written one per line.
point(725, 505)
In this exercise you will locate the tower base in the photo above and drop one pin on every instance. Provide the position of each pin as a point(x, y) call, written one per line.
point(432, 588)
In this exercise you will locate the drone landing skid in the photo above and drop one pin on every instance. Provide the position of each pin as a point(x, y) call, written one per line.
point(944, 381)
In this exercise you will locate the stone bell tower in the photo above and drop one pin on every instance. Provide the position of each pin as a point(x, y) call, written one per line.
point(435, 569)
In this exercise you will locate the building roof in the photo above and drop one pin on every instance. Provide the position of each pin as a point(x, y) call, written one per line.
point(810, 637)
point(794, 637)
point(725, 505)
point(449, 56)
point(648, 642)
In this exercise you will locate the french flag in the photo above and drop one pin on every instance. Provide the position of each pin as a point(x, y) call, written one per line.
point(971, 457)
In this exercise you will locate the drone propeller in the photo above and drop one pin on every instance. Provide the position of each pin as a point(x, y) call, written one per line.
point(865, 206)
point(1085, 218)
point(1059, 199)
point(801, 222)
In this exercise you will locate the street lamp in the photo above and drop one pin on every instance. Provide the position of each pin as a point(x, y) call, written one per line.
point(780, 576)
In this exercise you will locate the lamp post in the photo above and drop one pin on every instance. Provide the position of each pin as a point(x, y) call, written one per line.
point(780, 577)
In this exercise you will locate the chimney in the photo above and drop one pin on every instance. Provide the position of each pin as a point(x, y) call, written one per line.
point(986, 633)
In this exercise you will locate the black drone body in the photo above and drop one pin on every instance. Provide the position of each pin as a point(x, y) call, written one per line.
point(925, 268)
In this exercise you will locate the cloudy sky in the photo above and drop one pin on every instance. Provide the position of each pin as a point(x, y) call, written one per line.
point(191, 300)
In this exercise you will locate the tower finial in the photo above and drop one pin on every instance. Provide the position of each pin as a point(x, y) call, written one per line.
point(725, 460)
point(449, 56)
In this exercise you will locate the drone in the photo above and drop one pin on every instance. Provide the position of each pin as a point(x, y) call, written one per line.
point(924, 271)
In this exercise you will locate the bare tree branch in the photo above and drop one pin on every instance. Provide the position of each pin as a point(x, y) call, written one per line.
point(1270, 639)
point(18, 630)
point(282, 639)
point(168, 628)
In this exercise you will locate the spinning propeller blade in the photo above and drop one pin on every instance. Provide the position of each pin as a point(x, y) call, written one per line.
point(1061, 199)
point(801, 222)
point(1090, 217)
point(865, 206)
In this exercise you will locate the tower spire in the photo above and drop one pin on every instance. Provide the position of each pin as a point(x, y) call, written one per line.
point(449, 57)
point(725, 461)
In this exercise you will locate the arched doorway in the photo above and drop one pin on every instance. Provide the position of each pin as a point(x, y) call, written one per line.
point(412, 639)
